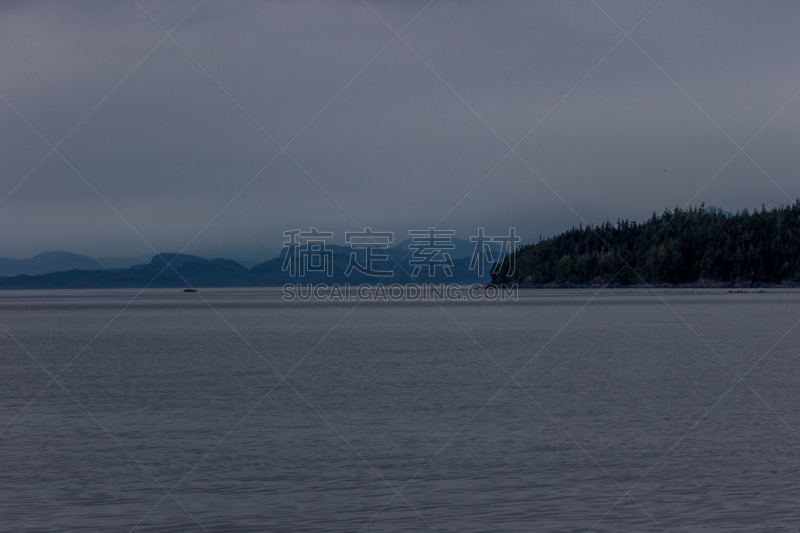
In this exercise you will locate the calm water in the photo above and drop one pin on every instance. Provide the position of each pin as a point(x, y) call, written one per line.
point(171, 415)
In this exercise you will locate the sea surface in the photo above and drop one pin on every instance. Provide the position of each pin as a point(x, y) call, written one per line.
point(565, 410)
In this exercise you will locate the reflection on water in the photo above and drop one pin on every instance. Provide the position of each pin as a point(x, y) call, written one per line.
point(171, 414)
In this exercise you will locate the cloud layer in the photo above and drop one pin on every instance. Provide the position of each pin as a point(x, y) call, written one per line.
point(252, 119)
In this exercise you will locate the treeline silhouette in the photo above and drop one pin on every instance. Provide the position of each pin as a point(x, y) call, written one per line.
point(679, 246)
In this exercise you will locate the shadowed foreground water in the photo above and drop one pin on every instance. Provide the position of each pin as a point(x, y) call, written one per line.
point(170, 414)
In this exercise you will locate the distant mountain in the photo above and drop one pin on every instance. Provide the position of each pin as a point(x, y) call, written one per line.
point(463, 248)
point(271, 273)
point(193, 271)
point(122, 262)
point(247, 256)
point(197, 271)
point(47, 262)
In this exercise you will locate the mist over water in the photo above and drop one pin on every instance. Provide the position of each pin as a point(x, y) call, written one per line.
point(622, 390)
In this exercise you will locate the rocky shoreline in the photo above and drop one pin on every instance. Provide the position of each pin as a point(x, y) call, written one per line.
point(599, 283)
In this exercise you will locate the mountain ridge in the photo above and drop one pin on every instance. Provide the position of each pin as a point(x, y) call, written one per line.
point(46, 262)
point(186, 271)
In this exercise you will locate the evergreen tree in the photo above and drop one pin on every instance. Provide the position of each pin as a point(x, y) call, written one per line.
point(679, 246)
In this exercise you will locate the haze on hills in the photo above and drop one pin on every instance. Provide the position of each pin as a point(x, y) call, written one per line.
point(57, 261)
point(46, 262)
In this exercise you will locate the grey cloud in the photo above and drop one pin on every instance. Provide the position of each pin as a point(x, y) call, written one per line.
point(396, 148)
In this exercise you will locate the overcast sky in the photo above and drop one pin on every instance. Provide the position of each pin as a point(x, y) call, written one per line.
point(253, 118)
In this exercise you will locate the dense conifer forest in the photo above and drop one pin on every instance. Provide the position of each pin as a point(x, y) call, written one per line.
point(679, 246)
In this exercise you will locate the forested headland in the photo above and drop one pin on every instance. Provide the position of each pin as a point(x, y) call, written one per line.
point(681, 246)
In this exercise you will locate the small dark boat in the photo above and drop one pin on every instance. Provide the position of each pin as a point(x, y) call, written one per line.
point(189, 290)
